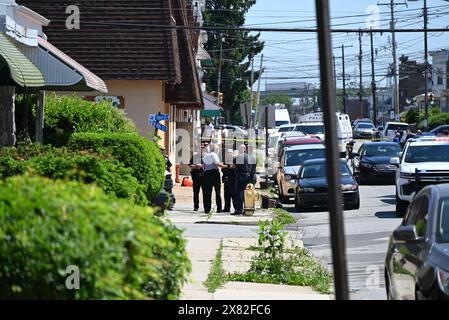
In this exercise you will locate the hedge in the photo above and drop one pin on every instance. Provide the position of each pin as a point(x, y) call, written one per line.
point(65, 115)
point(438, 120)
point(122, 251)
point(110, 174)
point(136, 152)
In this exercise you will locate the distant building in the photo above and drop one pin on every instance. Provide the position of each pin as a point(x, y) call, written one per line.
point(440, 69)
point(411, 81)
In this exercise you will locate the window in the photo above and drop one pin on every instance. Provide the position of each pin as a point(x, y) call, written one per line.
point(318, 170)
point(297, 157)
point(418, 214)
point(392, 150)
point(311, 129)
point(430, 153)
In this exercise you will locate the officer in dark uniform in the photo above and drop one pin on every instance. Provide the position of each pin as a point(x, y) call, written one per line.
point(243, 173)
point(197, 173)
point(229, 180)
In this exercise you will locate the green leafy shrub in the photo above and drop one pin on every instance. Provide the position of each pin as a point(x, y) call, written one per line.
point(136, 152)
point(122, 250)
point(438, 119)
point(110, 174)
point(65, 115)
point(278, 265)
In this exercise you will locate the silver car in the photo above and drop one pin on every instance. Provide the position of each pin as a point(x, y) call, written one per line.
point(291, 161)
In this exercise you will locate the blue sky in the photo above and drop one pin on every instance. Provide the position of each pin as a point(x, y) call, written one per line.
point(293, 57)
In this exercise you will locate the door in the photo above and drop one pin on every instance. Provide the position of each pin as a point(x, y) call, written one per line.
point(407, 257)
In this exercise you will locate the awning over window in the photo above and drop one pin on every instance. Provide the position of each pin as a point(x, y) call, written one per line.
point(22, 71)
point(211, 109)
point(90, 79)
point(58, 75)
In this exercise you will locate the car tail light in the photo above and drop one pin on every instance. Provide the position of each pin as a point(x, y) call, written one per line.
point(443, 280)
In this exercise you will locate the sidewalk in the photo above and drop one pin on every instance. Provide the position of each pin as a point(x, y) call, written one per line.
point(236, 258)
point(183, 211)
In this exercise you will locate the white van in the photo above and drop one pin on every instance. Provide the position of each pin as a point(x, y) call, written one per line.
point(312, 124)
point(281, 117)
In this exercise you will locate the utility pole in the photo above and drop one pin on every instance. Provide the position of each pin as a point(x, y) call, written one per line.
point(361, 74)
point(335, 197)
point(344, 78)
point(344, 75)
point(392, 4)
point(258, 88)
point(335, 72)
point(373, 82)
point(426, 59)
point(219, 78)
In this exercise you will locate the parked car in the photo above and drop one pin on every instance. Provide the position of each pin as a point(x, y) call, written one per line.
point(364, 120)
point(286, 128)
point(364, 130)
point(292, 158)
point(417, 262)
point(391, 128)
point(424, 161)
point(440, 131)
point(312, 188)
point(372, 162)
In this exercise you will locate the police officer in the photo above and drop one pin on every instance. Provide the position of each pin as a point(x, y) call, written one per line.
point(243, 172)
point(212, 180)
point(229, 180)
point(197, 173)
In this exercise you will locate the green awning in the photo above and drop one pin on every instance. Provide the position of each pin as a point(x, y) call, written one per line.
point(21, 70)
point(210, 113)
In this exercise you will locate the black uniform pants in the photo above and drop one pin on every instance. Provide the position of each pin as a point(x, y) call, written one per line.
point(197, 184)
point(211, 182)
point(230, 194)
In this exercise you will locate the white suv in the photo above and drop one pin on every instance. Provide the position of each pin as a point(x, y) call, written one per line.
point(424, 161)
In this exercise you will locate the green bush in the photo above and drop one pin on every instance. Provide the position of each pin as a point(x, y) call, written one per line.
point(122, 251)
point(65, 115)
point(109, 174)
point(438, 119)
point(136, 152)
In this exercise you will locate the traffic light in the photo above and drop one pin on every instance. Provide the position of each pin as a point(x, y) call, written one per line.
point(432, 99)
point(220, 98)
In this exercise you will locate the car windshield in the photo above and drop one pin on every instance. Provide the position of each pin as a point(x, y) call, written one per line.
point(430, 153)
point(297, 157)
point(281, 123)
point(286, 129)
point(397, 127)
point(318, 170)
point(318, 129)
point(365, 126)
point(443, 222)
point(392, 150)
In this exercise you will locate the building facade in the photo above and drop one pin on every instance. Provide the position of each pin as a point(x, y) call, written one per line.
point(440, 69)
point(148, 64)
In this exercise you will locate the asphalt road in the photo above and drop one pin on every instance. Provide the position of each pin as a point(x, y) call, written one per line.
point(367, 231)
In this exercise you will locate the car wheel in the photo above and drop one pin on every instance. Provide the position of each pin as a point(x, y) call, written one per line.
point(401, 207)
point(283, 199)
point(355, 206)
point(298, 206)
point(388, 286)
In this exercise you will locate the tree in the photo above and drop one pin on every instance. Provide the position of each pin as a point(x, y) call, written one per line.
point(281, 98)
point(238, 50)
